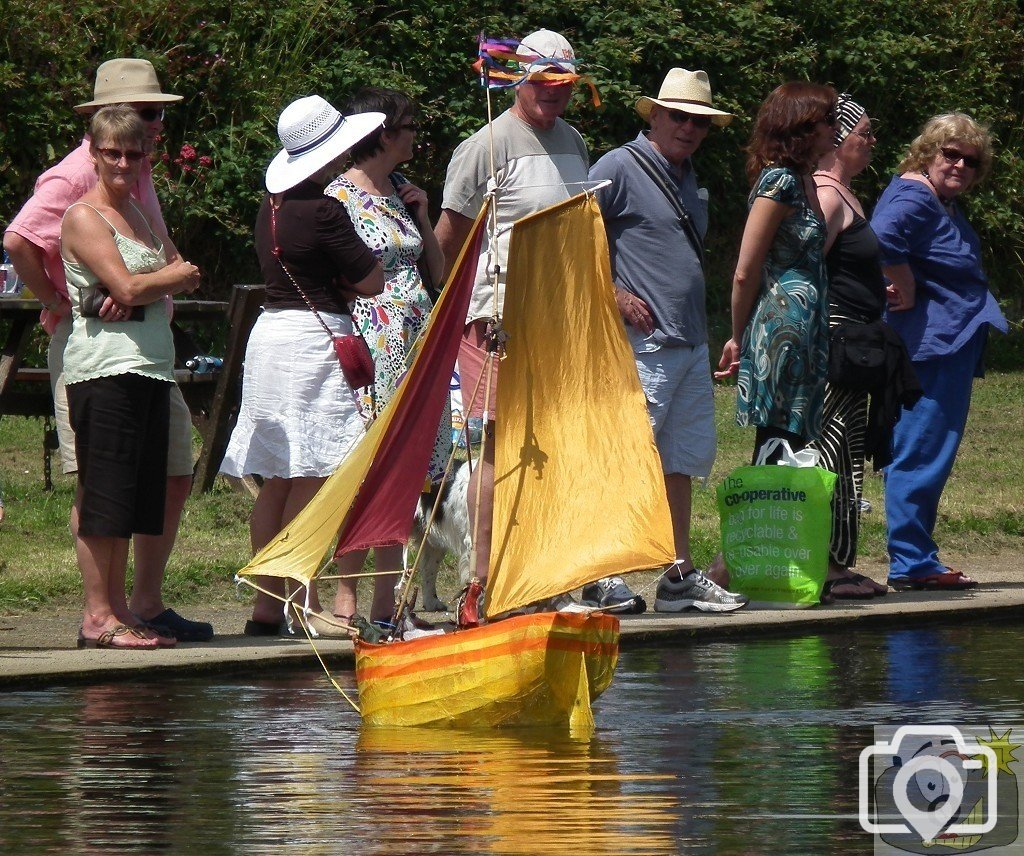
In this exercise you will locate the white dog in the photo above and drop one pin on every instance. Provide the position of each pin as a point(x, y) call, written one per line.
point(449, 534)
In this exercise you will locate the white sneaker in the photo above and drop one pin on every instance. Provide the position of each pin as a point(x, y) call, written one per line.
point(695, 591)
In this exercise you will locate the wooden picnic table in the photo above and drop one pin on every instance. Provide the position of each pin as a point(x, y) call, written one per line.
point(212, 396)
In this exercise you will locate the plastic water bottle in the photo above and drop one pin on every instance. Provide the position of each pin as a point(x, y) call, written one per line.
point(10, 283)
point(203, 365)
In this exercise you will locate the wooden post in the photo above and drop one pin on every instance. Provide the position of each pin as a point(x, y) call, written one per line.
point(246, 301)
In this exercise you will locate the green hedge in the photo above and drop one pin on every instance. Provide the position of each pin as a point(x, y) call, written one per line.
point(237, 62)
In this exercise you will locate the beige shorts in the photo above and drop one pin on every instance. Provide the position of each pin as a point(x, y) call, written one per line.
point(179, 443)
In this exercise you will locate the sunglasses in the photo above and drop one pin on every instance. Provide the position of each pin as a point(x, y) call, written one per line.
point(954, 156)
point(869, 134)
point(150, 114)
point(115, 155)
point(680, 117)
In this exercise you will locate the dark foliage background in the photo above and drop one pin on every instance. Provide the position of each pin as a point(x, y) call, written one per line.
point(238, 62)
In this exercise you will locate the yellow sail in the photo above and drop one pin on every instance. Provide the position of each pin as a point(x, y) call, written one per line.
point(578, 491)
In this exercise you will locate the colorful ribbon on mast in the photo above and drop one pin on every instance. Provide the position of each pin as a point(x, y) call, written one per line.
point(504, 64)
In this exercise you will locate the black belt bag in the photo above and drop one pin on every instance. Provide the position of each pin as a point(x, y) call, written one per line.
point(856, 358)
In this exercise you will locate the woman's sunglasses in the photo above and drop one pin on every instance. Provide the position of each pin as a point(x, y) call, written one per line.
point(115, 155)
point(954, 156)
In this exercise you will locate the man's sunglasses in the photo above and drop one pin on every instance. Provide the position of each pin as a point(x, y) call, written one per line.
point(954, 156)
point(115, 155)
point(150, 114)
point(680, 117)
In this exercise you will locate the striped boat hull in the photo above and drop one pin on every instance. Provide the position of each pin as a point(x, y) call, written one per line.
point(524, 670)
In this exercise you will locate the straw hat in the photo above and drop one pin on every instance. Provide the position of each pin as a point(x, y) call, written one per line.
point(126, 81)
point(313, 134)
point(689, 91)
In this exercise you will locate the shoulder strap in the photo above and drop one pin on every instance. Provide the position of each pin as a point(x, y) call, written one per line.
point(842, 195)
point(98, 213)
point(145, 219)
point(685, 220)
point(277, 255)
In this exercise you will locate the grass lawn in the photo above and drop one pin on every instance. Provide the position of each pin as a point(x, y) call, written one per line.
point(981, 511)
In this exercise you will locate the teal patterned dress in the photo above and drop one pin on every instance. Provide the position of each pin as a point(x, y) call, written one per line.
point(784, 352)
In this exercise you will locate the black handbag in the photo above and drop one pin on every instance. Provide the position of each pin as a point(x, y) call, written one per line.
point(90, 302)
point(856, 358)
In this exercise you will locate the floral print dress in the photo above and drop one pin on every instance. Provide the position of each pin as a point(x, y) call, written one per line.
point(784, 352)
point(392, 321)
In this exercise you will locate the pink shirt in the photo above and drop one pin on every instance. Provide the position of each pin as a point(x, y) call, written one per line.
point(56, 189)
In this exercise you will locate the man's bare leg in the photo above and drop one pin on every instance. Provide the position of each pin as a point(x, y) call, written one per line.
point(679, 489)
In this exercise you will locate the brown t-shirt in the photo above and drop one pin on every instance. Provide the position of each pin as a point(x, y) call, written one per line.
point(319, 246)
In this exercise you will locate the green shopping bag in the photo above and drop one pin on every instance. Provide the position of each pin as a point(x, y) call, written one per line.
point(776, 527)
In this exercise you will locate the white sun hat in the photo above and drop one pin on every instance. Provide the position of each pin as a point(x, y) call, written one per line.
point(548, 49)
point(314, 134)
point(689, 91)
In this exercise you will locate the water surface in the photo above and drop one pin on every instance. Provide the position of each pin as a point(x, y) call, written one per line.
point(744, 747)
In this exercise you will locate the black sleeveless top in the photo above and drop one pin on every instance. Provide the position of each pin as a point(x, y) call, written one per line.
point(855, 281)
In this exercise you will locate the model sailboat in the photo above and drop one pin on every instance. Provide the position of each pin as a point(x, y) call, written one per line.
point(579, 492)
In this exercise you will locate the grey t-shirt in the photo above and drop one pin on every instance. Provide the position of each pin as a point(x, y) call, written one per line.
point(650, 254)
point(533, 168)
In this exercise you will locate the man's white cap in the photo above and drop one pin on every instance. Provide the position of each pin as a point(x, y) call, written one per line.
point(550, 48)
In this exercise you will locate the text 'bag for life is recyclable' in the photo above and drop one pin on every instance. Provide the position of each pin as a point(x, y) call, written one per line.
point(776, 527)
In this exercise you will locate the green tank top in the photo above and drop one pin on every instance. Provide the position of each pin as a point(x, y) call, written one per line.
point(98, 348)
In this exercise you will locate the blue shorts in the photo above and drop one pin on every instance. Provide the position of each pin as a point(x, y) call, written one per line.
point(681, 404)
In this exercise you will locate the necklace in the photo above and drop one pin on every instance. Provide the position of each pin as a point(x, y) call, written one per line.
point(834, 178)
point(947, 202)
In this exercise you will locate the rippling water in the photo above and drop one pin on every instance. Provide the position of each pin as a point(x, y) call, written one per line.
point(731, 747)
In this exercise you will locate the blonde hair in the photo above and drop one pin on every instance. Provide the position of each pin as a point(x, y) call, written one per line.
point(117, 123)
point(942, 130)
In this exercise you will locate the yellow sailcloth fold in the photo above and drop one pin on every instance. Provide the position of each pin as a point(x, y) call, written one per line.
point(578, 491)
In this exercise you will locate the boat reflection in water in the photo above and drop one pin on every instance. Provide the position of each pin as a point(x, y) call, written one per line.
point(507, 791)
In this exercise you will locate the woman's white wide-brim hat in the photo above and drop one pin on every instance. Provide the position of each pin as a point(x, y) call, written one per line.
point(314, 134)
point(689, 91)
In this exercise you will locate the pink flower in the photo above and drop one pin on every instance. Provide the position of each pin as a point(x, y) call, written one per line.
point(166, 158)
point(188, 153)
point(186, 169)
point(205, 161)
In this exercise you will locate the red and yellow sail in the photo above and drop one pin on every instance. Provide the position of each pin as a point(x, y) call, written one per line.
point(371, 498)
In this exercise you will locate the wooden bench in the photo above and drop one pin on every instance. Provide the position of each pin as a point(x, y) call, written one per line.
point(212, 397)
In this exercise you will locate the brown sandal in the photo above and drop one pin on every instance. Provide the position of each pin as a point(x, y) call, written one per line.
point(108, 639)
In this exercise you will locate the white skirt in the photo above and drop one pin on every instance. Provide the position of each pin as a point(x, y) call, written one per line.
point(298, 416)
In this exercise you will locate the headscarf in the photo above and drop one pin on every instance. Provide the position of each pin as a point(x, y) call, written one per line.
point(848, 114)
